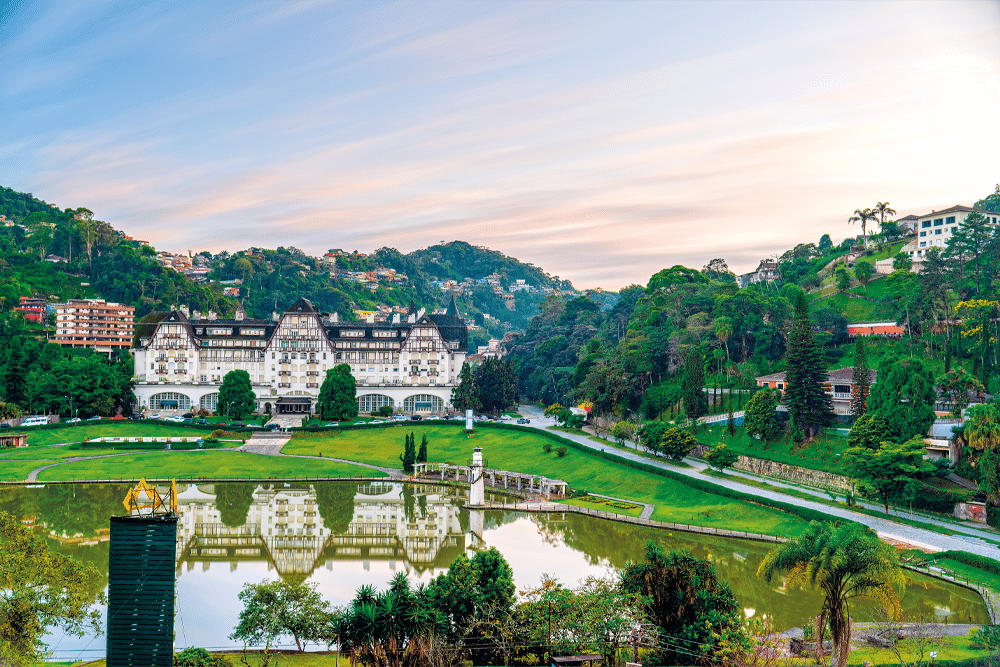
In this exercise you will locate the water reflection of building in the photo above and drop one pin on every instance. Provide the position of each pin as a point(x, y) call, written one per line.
point(417, 525)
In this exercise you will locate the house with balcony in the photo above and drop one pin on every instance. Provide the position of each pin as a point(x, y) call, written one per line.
point(935, 228)
point(839, 385)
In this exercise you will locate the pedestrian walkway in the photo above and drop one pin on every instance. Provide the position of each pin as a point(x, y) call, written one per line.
point(971, 539)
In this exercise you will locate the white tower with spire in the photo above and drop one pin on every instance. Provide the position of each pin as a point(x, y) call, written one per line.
point(477, 485)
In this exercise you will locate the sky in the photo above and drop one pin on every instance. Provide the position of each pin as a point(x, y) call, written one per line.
point(601, 141)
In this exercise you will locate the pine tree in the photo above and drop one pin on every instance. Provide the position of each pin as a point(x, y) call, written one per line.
point(466, 395)
point(861, 379)
point(695, 401)
point(408, 457)
point(808, 403)
point(422, 454)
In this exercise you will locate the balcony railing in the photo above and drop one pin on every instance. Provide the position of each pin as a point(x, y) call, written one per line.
point(284, 372)
point(842, 395)
point(312, 384)
point(285, 384)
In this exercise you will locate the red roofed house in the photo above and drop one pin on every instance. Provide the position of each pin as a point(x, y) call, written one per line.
point(839, 384)
point(890, 329)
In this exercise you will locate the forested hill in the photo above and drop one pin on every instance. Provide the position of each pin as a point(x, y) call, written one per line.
point(65, 253)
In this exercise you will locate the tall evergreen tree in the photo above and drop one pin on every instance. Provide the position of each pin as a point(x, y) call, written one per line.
point(409, 456)
point(695, 401)
point(422, 454)
point(465, 396)
point(861, 379)
point(808, 403)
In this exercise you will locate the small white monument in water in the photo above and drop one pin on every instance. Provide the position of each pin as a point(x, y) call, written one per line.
point(477, 485)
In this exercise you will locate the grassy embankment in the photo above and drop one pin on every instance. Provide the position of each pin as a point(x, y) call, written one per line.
point(521, 451)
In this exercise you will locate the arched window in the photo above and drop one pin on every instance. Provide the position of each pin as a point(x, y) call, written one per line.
point(169, 400)
point(372, 402)
point(209, 402)
point(423, 403)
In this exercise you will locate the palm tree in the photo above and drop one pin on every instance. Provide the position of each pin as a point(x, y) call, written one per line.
point(864, 217)
point(844, 562)
point(982, 426)
point(883, 210)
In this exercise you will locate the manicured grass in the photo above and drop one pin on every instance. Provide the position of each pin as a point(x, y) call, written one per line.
point(111, 429)
point(823, 453)
point(16, 471)
point(605, 505)
point(970, 572)
point(948, 648)
point(201, 463)
point(521, 451)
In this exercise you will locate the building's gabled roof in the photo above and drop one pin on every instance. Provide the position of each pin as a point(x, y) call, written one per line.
point(954, 209)
point(303, 305)
point(841, 375)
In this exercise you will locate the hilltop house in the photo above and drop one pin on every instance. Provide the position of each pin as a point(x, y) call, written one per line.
point(766, 272)
point(935, 228)
point(839, 385)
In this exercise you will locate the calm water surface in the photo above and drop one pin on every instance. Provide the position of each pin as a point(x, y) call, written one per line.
point(342, 535)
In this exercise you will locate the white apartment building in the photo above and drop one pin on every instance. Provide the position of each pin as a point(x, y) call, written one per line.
point(935, 228)
point(410, 363)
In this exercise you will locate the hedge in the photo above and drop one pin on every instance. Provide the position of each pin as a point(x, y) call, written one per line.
point(993, 516)
point(939, 500)
point(145, 446)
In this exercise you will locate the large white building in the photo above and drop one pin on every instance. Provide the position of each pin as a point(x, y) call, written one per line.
point(410, 363)
point(935, 228)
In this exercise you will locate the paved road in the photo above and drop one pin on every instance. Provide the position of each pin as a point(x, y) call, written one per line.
point(969, 541)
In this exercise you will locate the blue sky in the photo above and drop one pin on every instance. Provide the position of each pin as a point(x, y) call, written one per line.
point(601, 141)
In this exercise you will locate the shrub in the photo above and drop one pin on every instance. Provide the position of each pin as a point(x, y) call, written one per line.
point(985, 638)
point(561, 451)
point(199, 657)
point(217, 433)
point(547, 447)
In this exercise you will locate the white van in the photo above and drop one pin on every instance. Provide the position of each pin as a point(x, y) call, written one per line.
point(35, 421)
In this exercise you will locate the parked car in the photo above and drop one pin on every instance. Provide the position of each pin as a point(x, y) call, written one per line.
point(73, 420)
point(416, 418)
point(5, 425)
point(362, 422)
point(237, 424)
point(155, 415)
point(332, 424)
point(203, 422)
point(137, 415)
point(118, 417)
point(432, 418)
point(273, 427)
point(95, 418)
point(187, 415)
point(399, 418)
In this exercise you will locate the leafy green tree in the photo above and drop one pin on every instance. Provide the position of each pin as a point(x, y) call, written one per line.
point(280, 609)
point(496, 384)
point(957, 384)
point(904, 394)
point(338, 395)
point(721, 457)
point(825, 244)
point(676, 443)
point(902, 262)
point(892, 470)
point(844, 562)
point(691, 606)
point(982, 427)
point(843, 278)
point(759, 419)
point(465, 396)
point(233, 500)
point(622, 432)
point(651, 435)
point(199, 657)
point(236, 397)
point(861, 379)
point(385, 411)
point(40, 589)
point(695, 401)
point(972, 241)
point(863, 271)
point(868, 431)
point(808, 403)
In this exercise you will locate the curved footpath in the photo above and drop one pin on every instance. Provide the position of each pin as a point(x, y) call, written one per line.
point(886, 528)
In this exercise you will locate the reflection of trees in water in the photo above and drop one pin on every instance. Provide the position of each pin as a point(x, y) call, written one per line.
point(79, 509)
point(336, 504)
point(409, 496)
point(233, 500)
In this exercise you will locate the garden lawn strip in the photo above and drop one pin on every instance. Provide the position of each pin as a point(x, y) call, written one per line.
point(17, 471)
point(111, 429)
point(521, 451)
point(200, 463)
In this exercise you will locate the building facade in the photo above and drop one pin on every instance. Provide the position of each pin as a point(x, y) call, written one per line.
point(410, 363)
point(839, 386)
point(94, 323)
point(935, 228)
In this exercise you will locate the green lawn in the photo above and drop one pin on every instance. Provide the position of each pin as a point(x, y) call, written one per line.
point(201, 463)
point(948, 648)
point(521, 451)
point(605, 505)
point(111, 429)
point(822, 453)
point(16, 471)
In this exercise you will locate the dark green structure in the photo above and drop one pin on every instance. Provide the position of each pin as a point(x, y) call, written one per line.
point(141, 591)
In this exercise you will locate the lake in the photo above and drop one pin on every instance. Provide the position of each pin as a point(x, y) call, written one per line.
point(342, 535)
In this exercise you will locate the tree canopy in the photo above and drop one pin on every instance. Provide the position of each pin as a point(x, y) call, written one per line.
point(338, 394)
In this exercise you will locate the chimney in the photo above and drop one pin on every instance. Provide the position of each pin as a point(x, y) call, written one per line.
point(336, 318)
point(370, 318)
point(184, 309)
point(195, 315)
point(395, 318)
point(211, 315)
point(421, 313)
point(411, 318)
point(275, 316)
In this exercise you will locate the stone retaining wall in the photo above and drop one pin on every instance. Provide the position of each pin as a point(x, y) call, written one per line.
point(785, 471)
